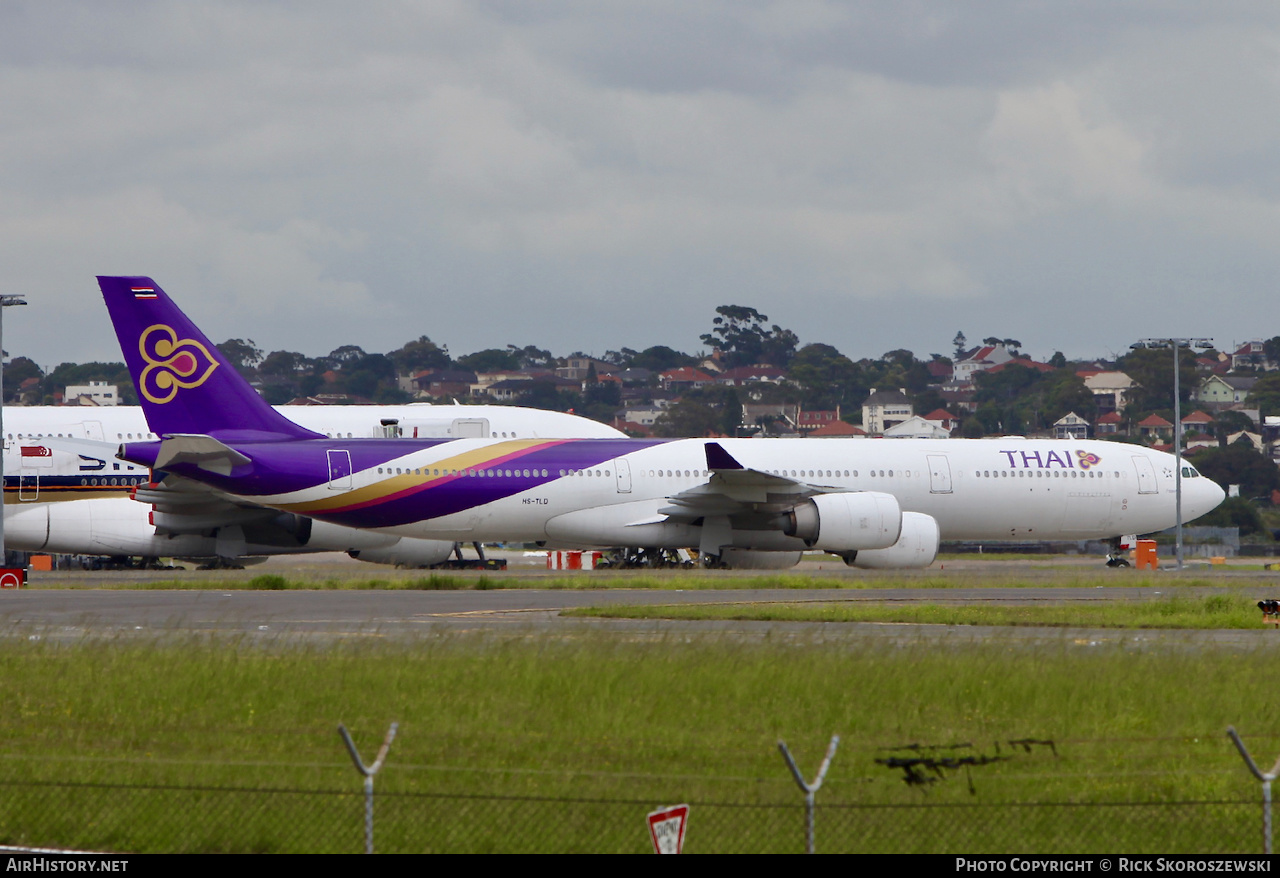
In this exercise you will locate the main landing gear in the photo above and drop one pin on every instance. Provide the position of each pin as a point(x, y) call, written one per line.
point(631, 559)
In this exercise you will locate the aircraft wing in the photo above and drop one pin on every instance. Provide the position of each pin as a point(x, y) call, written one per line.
point(185, 506)
point(734, 489)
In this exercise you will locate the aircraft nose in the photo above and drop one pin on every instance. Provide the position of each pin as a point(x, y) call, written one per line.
point(1205, 496)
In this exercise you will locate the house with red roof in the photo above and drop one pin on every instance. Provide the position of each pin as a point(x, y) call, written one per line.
point(684, 378)
point(837, 430)
point(744, 375)
point(813, 420)
point(1251, 355)
point(1108, 425)
point(1154, 428)
point(943, 419)
point(980, 360)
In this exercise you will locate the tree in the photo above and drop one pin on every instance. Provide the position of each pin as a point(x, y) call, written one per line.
point(19, 369)
point(1265, 395)
point(533, 357)
point(244, 355)
point(660, 358)
point(1152, 372)
point(740, 336)
point(1234, 512)
point(348, 353)
point(1231, 422)
point(827, 378)
point(686, 419)
point(1239, 464)
point(490, 360)
point(284, 364)
point(371, 375)
point(420, 356)
point(961, 344)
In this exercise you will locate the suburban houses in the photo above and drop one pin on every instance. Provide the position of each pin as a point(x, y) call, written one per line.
point(990, 389)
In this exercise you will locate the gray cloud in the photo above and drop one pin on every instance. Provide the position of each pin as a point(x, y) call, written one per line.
point(582, 175)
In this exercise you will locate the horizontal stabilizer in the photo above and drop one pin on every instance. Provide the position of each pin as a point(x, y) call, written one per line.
point(87, 448)
point(203, 451)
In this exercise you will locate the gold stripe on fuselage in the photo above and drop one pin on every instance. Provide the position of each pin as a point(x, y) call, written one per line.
point(449, 467)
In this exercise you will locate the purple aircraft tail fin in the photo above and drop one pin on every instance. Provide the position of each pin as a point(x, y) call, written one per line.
point(184, 383)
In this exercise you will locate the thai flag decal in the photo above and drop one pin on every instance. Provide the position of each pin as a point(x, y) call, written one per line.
point(144, 292)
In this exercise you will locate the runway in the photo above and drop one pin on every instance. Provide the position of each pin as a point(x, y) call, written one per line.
point(268, 617)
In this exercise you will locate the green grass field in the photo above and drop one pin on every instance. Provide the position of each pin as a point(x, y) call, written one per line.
point(1212, 612)
point(605, 719)
point(834, 575)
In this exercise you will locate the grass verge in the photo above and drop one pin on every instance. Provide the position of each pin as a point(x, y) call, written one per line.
point(1210, 612)
point(595, 718)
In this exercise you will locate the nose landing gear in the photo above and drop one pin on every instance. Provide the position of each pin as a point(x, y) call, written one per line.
point(1117, 557)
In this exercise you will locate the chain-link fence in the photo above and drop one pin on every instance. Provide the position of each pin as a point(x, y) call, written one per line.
point(138, 818)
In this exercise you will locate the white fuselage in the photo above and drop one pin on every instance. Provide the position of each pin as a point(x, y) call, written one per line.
point(69, 503)
point(1008, 488)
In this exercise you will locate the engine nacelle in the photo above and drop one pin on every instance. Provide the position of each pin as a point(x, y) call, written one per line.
point(408, 552)
point(623, 524)
point(847, 522)
point(752, 559)
point(916, 547)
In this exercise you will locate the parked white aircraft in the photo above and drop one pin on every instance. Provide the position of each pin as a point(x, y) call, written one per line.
point(876, 503)
point(41, 479)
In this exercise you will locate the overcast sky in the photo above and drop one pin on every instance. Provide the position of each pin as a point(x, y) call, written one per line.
point(590, 175)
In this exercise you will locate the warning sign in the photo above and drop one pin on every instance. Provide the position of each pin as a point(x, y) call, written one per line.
point(666, 827)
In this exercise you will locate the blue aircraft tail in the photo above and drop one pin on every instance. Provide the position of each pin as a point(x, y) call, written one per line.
point(184, 383)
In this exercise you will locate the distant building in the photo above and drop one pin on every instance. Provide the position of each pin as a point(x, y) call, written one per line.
point(684, 378)
point(808, 421)
point(1109, 424)
point(882, 409)
point(944, 419)
point(1154, 428)
point(916, 427)
point(980, 360)
point(1071, 426)
point(1110, 389)
point(1251, 355)
point(93, 393)
point(837, 430)
point(1221, 391)
point(576, 368)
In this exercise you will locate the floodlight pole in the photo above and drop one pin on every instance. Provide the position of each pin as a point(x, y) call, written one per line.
point(1266, 786)
point(809, 789)
point(5, 302)
point(368, 771)
point(1177, 344)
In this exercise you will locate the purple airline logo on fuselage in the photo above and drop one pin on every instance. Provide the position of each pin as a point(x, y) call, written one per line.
point(1047, 460)
point(171, 363)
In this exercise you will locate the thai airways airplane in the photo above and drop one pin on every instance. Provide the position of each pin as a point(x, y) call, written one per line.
point(104, 519)
point(874, 503)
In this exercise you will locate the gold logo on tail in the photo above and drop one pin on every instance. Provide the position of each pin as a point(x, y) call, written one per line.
point(171, 364)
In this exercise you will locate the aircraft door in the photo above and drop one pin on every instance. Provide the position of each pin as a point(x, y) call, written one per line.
point(939, 474)
point(93, 430)
point(471, 428)
point(623, 469)
point(339, 470)
point(1146, 475)
point(28, 487)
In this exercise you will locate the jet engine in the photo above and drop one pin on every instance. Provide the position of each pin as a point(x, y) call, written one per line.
point(407, 553)
point(916, 547)
point(847, 522)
